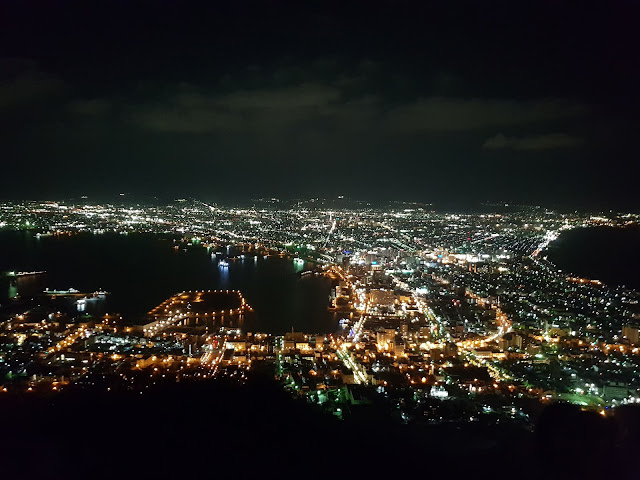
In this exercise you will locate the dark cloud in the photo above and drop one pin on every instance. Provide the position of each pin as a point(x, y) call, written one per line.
point(548, 141)
point(303, 96)
point(93, 107)
point(313, 103)
point(442, 114)
point(377, 94)
point(196, 112)
point(21, 82)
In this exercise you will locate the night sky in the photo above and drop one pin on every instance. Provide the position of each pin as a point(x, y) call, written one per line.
point(442, 102)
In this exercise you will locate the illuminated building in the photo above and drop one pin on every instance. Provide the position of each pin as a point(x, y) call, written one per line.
point(631, 333)
point(510, 340)
point(382, 298)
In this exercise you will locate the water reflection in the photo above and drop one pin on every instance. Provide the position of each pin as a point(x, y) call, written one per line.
point(141, 271)
point(298, 265)
point(13, 289)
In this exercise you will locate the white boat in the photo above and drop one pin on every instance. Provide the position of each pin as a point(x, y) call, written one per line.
point(223, 264)
point(25, 274)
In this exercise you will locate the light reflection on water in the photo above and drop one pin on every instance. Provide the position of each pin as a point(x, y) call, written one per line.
point(141, 271)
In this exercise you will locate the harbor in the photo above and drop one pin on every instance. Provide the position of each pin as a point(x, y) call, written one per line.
point(131, 274)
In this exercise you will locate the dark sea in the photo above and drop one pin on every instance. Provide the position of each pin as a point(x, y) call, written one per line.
point(611, 255)
point(140, 271)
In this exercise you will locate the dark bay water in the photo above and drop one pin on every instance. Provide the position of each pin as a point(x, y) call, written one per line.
point(141, 271)
point(611, 255)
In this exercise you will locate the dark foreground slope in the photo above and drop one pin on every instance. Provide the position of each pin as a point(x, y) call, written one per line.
point(207, 430)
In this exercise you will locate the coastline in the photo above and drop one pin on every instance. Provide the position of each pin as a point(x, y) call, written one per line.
point(597, 253)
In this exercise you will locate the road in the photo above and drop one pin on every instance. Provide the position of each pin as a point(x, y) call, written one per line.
point(210, 359)
point(358, 327)
point(359, 372)
point(159, 326)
